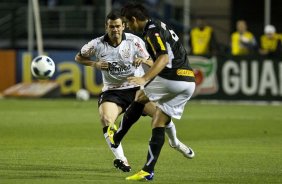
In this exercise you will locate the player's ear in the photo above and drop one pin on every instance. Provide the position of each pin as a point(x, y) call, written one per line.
point(133, 19)
point(123, 25)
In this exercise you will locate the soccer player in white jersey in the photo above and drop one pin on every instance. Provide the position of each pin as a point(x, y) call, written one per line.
point(170, 82)
point(118, 55)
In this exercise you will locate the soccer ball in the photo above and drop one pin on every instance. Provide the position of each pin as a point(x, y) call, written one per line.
point(83, 95)
point(42, 67)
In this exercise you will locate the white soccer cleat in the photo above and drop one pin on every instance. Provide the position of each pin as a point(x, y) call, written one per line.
point(185, 150)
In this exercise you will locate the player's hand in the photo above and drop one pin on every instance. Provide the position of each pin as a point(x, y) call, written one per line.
point(138, 61)
point(102, 65)
point(137, 80)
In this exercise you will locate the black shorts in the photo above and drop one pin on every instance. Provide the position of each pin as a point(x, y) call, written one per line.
point(122, 98)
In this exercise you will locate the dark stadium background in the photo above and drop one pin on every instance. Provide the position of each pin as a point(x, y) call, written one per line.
point(222, 15)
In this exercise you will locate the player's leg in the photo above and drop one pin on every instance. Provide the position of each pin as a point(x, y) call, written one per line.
point(171, 99)
point(157, 140)
point(155, 145)
point(174, 107)
point(149, 109)
point(109, 112)
point(170, 129)
point(131, 115)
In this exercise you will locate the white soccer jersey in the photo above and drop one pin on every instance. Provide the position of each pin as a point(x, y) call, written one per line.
point(120, 59)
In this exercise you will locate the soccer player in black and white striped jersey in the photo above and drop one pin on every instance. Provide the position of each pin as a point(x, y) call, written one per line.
point(170, 82)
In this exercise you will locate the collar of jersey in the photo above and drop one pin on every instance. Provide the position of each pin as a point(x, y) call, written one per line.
point(107, 39)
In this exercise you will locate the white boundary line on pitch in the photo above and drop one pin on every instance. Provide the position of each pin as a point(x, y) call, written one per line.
point(236, 102)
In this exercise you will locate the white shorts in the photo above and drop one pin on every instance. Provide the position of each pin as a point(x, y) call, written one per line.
point(170, 95)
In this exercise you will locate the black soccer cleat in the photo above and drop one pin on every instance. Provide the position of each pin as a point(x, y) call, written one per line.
point(122, 165)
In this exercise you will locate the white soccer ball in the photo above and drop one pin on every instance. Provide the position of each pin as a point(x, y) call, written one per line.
point(83, 95)
point(42, 67)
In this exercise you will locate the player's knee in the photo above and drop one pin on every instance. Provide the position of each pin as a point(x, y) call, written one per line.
point(141, 97)
point(105, 120)
point(160, 118)
point(150, 109)
point(141, 100)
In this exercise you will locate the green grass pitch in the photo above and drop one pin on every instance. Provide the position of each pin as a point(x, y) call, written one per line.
point(60, 141)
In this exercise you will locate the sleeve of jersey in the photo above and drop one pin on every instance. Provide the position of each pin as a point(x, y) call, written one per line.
point(88, 50)
point(157, 43)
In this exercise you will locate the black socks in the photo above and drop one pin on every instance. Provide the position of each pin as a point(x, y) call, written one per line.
point(155, 146)
point(131, 115)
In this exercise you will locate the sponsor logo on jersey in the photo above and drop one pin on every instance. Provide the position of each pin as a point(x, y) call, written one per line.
point(126, 52)
point(115, 68)
point(184, 72)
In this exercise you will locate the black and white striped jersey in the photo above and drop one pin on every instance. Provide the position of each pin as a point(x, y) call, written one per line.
point(160, 39)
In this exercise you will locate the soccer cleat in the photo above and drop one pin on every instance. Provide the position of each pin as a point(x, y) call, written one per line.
point(141, 176)
point(185, 150)
point(112, 129)
point(122, 165)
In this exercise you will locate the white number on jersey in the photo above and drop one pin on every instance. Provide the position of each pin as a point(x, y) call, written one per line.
point(172, 33)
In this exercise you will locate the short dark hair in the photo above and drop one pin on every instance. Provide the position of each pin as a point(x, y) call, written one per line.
point(136, 10)
point(114, 15)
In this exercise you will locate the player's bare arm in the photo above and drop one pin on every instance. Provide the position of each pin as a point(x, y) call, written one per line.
point(149, 62)
point(156, 68)
point(101, 65)
point(138, 61)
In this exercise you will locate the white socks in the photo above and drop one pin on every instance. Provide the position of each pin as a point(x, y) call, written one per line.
point(170, 131)
point(118, 152)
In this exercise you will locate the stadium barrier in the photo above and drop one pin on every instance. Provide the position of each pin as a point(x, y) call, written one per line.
point(239, 78)
point(7, 68)
point(218, 78)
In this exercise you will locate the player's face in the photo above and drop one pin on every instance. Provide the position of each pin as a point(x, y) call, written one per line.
point(132, 24)
point(115, 28)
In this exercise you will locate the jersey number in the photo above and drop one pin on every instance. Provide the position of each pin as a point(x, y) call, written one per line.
point(172, 33)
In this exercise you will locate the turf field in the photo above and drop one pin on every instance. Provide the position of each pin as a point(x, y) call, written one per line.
point(61, 142)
